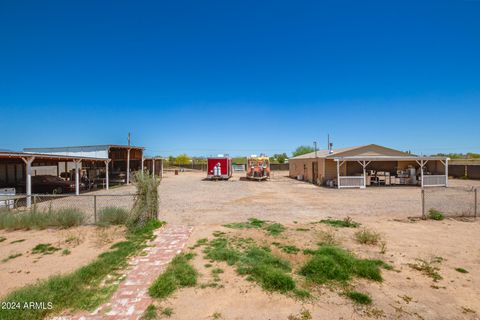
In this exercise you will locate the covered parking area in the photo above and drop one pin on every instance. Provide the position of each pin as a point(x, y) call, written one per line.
point(363, 171)
point(123, 159)
point(16, 169)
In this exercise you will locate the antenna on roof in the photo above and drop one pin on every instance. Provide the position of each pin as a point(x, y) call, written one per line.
point(129, 139)
point(330, 145)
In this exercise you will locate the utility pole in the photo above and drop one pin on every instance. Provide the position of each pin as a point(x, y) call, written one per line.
point(129, 139)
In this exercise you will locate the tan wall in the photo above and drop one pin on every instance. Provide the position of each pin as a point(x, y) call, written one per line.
point(331, 169)
point(304, 167)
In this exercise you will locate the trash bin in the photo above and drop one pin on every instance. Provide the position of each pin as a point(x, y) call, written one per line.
point(176, 172)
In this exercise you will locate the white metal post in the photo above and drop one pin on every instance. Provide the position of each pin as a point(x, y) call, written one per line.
point(161, 168)
point(153, 167)
point(421, 171)
point(338, 174)
point(128, 166)
point(364, 174)
point(107, 184)
point(28, 163)
point(77, 177)
point(446, 172)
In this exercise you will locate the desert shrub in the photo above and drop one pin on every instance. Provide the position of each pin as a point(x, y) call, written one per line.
point(345, 223)
point(179, 274)
point(359, 297)
point(145, 205)
point(434, 214)
point(330, 263)
point(428, 268)
point(367, 237)
point(44, 248)
point(112, 216)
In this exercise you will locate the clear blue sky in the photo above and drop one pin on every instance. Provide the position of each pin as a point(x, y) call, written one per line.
point(206, 77)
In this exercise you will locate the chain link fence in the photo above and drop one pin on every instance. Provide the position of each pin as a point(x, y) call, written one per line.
point(89, 204)
point(451, 201)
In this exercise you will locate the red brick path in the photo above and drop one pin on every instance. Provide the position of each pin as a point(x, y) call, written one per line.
point(131, 299)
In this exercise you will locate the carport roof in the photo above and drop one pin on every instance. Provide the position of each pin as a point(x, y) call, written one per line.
point(43, 156)
point(389, 158)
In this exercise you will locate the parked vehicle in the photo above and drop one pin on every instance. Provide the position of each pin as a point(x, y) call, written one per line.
point(49, 184)
point(258, 168)
point(219, 168)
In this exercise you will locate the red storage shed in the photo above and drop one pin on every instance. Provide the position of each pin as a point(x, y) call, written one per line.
point(219, 168)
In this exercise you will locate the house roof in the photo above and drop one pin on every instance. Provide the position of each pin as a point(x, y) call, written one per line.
point(324, 153)
point(368, 150)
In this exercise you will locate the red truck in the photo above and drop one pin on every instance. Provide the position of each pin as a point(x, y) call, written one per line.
point(219, 168)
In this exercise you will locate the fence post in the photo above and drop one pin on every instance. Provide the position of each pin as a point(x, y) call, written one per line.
point(476, 201)
point(423, 204)
point(94, 208)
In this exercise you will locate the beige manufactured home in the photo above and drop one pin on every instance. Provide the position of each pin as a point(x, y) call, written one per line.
point(369, 165)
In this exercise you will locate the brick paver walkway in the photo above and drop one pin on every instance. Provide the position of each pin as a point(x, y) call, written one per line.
point(131, 299)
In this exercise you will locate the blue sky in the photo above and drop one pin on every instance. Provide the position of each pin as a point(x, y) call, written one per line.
point(241, 77)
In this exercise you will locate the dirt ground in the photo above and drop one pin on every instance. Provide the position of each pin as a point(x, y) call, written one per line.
point(83, 243)
point(405, 293)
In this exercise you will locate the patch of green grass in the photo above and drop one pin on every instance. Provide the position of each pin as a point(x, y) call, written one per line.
point(428, 268)
point(66, 252)
point(82, 289)
point(273, 229)
point(461, 270)
point(150, 313)
point(330, 263)
point(290, 249)
point(44, 248)
point(18, 241)
point(301, 293)
point(208, 265)
point(12, 256)
point(359, 297)
point(434, 214)
point(257, 263)
point(168, 312)
point(178, 274)
point(217, 271)
point(37, 219)
point(345, 223)
point(112, 216)
point(368, 237)
point(302, 229)
point(3, 239)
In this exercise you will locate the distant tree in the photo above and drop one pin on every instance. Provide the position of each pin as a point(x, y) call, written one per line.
point(171, 160)
point(239, 160)
point(302, 150)
point(183, 159)
point(279, 158)
point(469, 155)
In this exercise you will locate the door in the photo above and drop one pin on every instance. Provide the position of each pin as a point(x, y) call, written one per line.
point(315, 172)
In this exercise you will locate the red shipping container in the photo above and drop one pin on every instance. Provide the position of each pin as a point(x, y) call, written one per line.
point(219, 168)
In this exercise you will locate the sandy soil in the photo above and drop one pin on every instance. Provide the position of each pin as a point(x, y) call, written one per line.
point(404, 294)
point(84, 243)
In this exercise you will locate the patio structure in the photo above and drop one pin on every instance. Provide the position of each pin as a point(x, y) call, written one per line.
point(369, 165)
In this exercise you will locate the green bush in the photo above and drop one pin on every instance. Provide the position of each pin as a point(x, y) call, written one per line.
point(112, 216)
point(434, 214)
